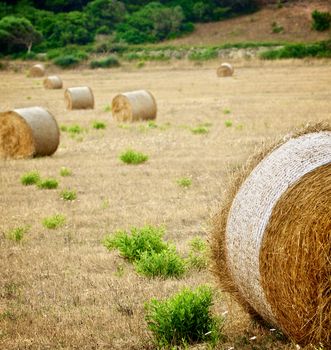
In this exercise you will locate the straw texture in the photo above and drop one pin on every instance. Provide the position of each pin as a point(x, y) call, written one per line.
point(79, 98)
point(240, 227)
point(53, 82)
point(225, 70)
point(37, 71)
point(133, 106)
point(28, 132)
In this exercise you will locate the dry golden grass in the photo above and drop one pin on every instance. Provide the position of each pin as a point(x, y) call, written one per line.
point(61, 289)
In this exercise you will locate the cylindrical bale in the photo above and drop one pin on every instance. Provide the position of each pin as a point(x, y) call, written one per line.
point(79, 98)
point(53, 82)
point(271, 242)
point(225, 70)
point(133, 106)
point(28, 132)
point(37, 71)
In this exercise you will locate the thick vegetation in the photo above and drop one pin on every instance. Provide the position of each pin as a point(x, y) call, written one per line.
point(42, 25)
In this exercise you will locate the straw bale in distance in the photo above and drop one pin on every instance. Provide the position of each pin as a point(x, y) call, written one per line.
point(133, 106)
point(79, 98)
point(37, 71)
point(225, 70)
point(28, 132)
point(289, 285)
point(53, 82)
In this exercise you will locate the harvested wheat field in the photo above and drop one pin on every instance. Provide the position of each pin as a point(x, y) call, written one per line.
point(60, 288)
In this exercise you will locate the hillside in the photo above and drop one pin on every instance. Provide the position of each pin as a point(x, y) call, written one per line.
point(294, 17)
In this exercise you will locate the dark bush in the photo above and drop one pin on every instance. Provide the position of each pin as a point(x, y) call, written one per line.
point(110, 61)
point(321, 20)
point(66, 61)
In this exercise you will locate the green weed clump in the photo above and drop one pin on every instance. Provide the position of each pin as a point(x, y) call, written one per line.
point(200, 129)
point(197, 259)
point(98, 125)
point(321, 20)
point(184, 182)
point(30, 178)
point(132, 157)
point(17, 234)
point(65, 172)
point(53, 222)
point(68, 195)
point(48, 184)
point(183, 319)
point(228, 123)
point(107, 108)
point(108, 62)
point(67, 61)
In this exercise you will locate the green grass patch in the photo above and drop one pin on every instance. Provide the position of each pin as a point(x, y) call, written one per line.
point(17, 234)
point(68, 195)
point(197, 258)
point(185, 182)
point(185, 318)
point(133, 157)
point(107, 108)
point(108, 62)
point(30, 178)
point(228, 123)
point(98, 125)
point(48, 184)
point(54, 222)
point(64, 171)
point(200, 130)
point(67, 61)
point(203, 54)
point(226, 111)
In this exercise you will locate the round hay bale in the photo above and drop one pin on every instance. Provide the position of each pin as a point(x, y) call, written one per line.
point(270, 243)
point(133, 106)
point(225, 70)
point(79, 98)
point(28, 132)
point(37, 71)
point(53, 82)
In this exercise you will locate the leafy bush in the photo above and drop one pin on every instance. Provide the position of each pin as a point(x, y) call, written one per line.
point(131, 246)
point(165, 264)
point(53, 222)
point(184, 318)
point(184, 182)
point(321, 20)
point(228, 123)
point(203, 54)
point(48, 184)
point(30, 178)
point(98, 125)
point(110, 61)
point(65, 171)
point(68, 195)
point(17, 234)
point(197, 258)
point(66, 61)
point(132, 157)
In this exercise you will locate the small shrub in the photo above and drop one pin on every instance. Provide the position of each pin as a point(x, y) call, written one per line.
point(108, 62)
point(75, 129)
point(165, 264)
point(17, 234)
point(152, 125)
point(203, 54)
point(321, 20)
point(184, 182)
point(226, 111)
point(228, 123)
point(66, 61)
point(63, 128)
point(197, 258)
point(132, 157)
point(132, 246)
point(65, 171)
point(30, 178)
point(53, 222)
point(141, 64)
point(48, 184)
point(200, 130)
point(183, 319)
point(107, 108)
point(98, 125)
point(68, 195)
point(276, 28)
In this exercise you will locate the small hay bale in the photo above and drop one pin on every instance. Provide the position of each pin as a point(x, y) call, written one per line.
point(37, 71)
point(271, 239)
point(225, 70)
point(28, 132)
point(79, 98)
point(133, 106)
point(53, 82)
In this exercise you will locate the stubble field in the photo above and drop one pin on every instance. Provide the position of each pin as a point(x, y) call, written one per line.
point(61, 289)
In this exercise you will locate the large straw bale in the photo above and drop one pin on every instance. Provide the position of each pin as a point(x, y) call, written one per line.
point(79, 98)
point(53, 82)
point(37, 71)
point(225, 70)
point(271, 243)
point(133, 106)
point(28, 132)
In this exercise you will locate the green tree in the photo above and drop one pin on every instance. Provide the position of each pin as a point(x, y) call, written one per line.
point(17, 33)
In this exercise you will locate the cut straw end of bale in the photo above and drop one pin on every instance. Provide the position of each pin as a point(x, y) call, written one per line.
point(37, 71)
point(271, 239)
point(79, 98)
point(28, 132)
point(225, 70)
point(53, 82)
point(134, 106)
